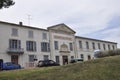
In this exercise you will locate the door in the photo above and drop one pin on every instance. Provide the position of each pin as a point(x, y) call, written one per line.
point(57, 59)
point(1, 64)
point(14, 59)
point(89, 57)
point(65, 60)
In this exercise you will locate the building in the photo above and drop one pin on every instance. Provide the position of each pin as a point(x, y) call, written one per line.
point(24, 44)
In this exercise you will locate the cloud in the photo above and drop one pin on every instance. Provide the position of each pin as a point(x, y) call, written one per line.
point(86, 17)
point(112, 35)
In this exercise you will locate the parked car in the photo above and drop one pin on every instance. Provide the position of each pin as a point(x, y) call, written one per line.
point(10, 66)
point(45, 63)
point(75, 60)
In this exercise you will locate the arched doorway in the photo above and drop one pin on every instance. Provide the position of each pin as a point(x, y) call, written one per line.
point(64, 53)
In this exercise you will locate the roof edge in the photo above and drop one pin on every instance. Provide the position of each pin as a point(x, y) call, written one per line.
point(95, 39)
point(61, 24)
point(14, 24)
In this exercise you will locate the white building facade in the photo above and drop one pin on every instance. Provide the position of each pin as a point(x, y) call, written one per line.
point(24, 44)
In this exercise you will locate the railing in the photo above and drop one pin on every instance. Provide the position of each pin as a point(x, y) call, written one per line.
point(15, 50)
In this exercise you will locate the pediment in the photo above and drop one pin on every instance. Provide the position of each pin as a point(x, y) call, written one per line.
point(62, 28)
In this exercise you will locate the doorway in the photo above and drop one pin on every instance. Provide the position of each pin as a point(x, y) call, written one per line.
point(65, 60)
point(14, 59)
point(1, 64)
point(89, 57)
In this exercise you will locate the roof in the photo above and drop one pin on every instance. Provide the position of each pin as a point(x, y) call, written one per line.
point(22, 25)
point(62, 25)
point(94, 39)
point(53, 27)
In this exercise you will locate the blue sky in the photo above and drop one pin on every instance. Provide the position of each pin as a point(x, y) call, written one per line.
point(99, 19)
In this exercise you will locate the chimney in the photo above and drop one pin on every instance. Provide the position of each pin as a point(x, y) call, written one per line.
point(20, 23)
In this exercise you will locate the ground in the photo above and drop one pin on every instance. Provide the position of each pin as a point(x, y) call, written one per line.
point(99, 69)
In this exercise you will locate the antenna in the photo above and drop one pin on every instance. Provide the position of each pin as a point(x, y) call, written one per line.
point(29, 18)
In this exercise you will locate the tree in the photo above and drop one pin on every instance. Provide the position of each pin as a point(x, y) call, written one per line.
point(6, 3)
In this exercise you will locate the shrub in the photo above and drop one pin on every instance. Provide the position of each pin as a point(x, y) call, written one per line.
point(101, 54)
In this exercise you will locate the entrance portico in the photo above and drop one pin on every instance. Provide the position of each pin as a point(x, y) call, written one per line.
point(64, 58)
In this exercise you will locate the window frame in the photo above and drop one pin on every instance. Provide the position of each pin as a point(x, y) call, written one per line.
point(31, 46)
point(14, 32)
point(44, 36)
point(71, 46)
point(56, 45)
point(80, 44)
point(30, 34)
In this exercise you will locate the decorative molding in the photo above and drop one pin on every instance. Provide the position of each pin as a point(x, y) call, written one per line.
point(63, 38)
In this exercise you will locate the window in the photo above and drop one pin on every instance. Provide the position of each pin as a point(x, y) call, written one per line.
point(57, 59)
point(56, 45)
point(46, 57)
point(99, 46)
point(31, 45)
point(104, 47)
point(87, 45)
point(44, 35)
point(71, 46)
point(30, 34)
point(108, 47)
point(14, 32)
point(72, 57)
point(45, 47)
point(32, 58)
point(80, 44)
point(14, 44)
point(113, 47)
point(82, 56)
point(93, 44)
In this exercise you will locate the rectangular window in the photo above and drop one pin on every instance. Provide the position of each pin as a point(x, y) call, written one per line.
point(30, 45)
point(71, 46)
point(30, 34)
point(14, 32)
point(99, 46)
point(80, 44)
point(113, 47)
point(45, 47)
point(108, 47)
point(56, 45)
point(104, 47)
point(46, 57)
point(72, 57)
point(44, 36)
point(32, 58)
point(82, 56)
point(93, 44)
point(14, 44)
point(57, 59)
point(87, 45)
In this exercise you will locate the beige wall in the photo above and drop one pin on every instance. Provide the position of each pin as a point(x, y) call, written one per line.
point(90, 51)
point(5, 35)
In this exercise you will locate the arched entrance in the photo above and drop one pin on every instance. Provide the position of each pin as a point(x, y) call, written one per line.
point(64, 53)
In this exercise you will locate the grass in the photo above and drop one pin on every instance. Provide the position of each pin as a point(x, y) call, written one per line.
point(99, 69)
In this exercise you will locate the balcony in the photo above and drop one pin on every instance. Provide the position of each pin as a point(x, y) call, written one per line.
point(15, 50)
